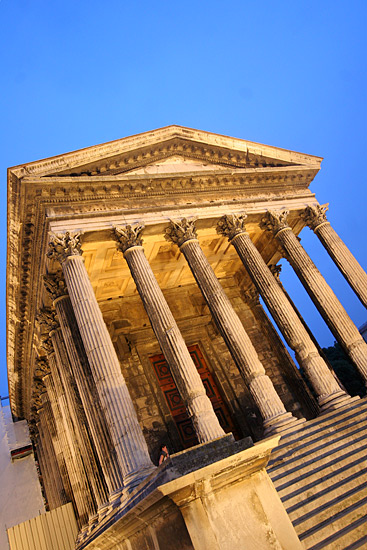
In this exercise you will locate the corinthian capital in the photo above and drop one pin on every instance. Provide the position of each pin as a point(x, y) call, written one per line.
point(128, 236)
point(63, 245)
point(46, 345)
point(47, 318)
point(180, 231)
point(55, 284)
point(41, 368)
point(275, 221)
point(231, 225)
point(315, 215)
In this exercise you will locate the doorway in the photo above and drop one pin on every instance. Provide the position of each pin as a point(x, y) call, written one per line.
point(176, 406)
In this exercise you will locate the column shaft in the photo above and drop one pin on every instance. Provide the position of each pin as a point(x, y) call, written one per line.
point(79, 421)
point(315, 217)
point(128, 439)
point(58, 491)
point(173, 346)
point(44, 461)
point(70, 428)
point(88, 394)
point(49, 415)
point(325, 300)
point(275, 416)
point(344, 259)
point(328, 391)
point(82, 509)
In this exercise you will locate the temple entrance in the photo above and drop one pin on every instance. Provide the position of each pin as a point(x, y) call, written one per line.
point(177, 407)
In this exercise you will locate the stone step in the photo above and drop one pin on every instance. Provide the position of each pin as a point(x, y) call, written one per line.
point(331, 449)
point(346, 544)
point(316, 485)
point(329, 508)
point(310, 500)
point(330, 529)
point(320, 474)
point(326, 437)
point(315, 471)
point(315, 431)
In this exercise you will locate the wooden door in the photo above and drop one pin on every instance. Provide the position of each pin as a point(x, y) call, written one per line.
point(174, 401)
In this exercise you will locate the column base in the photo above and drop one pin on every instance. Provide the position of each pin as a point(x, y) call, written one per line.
point(283, 423)
point(335, 401)
point(135, 478)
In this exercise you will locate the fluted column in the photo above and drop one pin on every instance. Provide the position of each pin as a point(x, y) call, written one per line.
point(79, 421)
point(55, 438)
point(274, 414)
point(328, 391)
point(320, 292)
point(72, 415)
point(81, 370)
point(56, 493)
point(315, 217)
point(172, 344)
point(42, 455)
point(128, 439)
point(82, 506)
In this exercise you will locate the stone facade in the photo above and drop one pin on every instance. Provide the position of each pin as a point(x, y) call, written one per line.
point(134, 319)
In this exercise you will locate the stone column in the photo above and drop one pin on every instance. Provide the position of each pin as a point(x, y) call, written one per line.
point(52, 429)
point(172, 344)
point(57, 490)
point(315, 217)
point(81, 370)
point(83, 507)
point(328, 391)
point(44, 466)
point(73, 417)
point(274, 414)
point(78, 421)
point(320, 292)
point(128, 439)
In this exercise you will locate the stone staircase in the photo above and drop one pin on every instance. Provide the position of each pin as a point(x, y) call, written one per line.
point(320, 474)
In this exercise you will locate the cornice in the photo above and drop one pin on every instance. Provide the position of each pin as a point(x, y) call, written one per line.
point(148, 146)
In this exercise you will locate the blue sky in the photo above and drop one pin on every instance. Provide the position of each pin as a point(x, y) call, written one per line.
point(290, 74)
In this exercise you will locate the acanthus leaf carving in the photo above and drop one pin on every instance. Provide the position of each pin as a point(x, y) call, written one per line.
point(128, 236)
point(47, 318)
point(275, 221)
point(315, 215)
point(63, 245)
point(180, 231)
point(231, 225)
point(55, 284)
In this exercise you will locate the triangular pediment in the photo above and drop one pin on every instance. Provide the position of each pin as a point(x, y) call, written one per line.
point(167, 150)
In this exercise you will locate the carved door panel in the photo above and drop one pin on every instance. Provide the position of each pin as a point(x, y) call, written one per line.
point(175, 404)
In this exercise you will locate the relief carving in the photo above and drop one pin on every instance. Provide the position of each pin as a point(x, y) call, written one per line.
point(315, 215)
point(55, 285)
point(275, 221)
point(128, 236)
point(181, 231)
point(231, 225)
point(63, 245)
